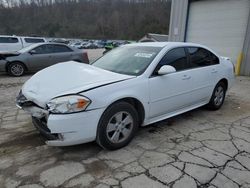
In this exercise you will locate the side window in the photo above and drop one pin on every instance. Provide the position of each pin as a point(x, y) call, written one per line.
point(33, 40)
point(200, 57)
point(214, 59)
point(43, 49)
point(8, 40)
point(176, 58)
point(61, 48)
point(40, 49)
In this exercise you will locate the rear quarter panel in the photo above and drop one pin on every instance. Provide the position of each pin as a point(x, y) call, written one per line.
point(227, 71)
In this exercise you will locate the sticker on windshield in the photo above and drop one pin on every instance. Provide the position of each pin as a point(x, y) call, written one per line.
point(145, 55)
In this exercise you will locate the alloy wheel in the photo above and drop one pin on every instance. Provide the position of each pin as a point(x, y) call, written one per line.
point(219, 96)
point(119, 127)
point(17, 69)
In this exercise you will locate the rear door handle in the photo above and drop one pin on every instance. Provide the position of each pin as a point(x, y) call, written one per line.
point(186, 77)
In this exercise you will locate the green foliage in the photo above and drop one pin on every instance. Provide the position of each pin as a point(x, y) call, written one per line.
point(112, 19)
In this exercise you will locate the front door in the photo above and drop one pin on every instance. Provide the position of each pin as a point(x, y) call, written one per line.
point(170, 92)
point(40, 57)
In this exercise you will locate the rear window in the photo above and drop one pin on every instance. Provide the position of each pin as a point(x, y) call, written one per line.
point(33, 40)
point(8, 40)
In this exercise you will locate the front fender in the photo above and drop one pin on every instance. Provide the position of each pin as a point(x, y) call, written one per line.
point(3, 65)
point(103, 97)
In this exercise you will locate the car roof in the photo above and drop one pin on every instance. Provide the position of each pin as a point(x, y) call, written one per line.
point(15, 36)
point(9, 36)
point(42, 43)
point(163, 44)
point(51, 43)
point(171, 45)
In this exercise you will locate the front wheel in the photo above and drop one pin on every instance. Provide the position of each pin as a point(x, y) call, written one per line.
point(218, 97)
point(117, 126)
point(16, 69)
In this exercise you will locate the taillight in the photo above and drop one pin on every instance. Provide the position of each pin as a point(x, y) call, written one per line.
point(85, 57)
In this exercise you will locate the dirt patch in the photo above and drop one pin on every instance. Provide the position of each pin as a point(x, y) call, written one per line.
point(98, 168)
point(10, 85)
point(20, 143)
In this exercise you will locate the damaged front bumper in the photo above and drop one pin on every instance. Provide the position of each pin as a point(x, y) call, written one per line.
point(41, 126)
point(3, 64)
point(62, 129)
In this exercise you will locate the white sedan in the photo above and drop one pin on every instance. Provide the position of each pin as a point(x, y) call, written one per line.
point(131, 86)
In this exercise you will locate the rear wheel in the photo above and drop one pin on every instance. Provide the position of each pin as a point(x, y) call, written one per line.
point(16, 69)
point(218, 97)
point(117, 126)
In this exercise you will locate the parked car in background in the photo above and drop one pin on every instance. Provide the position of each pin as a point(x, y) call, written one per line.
point(82, 45)
point(38, 56)
point(132, 85)
point(100, 44)
point(77, 45)
point(109, 46)
point(15, 43)
point(90, 45)
point(59, 40)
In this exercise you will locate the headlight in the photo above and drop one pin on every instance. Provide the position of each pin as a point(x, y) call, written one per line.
point(68, 104)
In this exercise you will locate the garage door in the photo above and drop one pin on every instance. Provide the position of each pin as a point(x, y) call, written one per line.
point(219, 24)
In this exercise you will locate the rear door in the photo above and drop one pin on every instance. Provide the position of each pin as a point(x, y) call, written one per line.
point(61, 53)
point(204, 69)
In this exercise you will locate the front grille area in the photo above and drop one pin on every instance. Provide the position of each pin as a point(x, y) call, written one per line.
point(40, 120)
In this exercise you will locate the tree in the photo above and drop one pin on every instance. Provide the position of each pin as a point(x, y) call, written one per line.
point(114, 19)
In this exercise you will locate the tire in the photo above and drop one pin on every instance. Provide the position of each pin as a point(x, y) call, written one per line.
point(113, 132)
point(218, 97)
point(16, 69)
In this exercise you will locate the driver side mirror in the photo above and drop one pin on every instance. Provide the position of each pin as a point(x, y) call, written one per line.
point(166, 69)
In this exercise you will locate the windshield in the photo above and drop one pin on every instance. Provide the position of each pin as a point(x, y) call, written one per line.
point(129, 60)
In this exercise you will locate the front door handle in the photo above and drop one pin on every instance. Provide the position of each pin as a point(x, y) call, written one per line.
point(186, 77)
point(214, 71)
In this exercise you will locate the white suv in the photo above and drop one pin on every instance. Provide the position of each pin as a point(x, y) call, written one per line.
point(15, 43)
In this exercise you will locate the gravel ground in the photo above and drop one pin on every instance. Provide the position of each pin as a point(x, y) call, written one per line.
point(200, 148)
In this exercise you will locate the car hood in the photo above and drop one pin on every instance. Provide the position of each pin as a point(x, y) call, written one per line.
point(67, 78)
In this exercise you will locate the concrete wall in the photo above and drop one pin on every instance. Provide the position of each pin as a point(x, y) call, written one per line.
point(179, 12)
point(245, 66)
